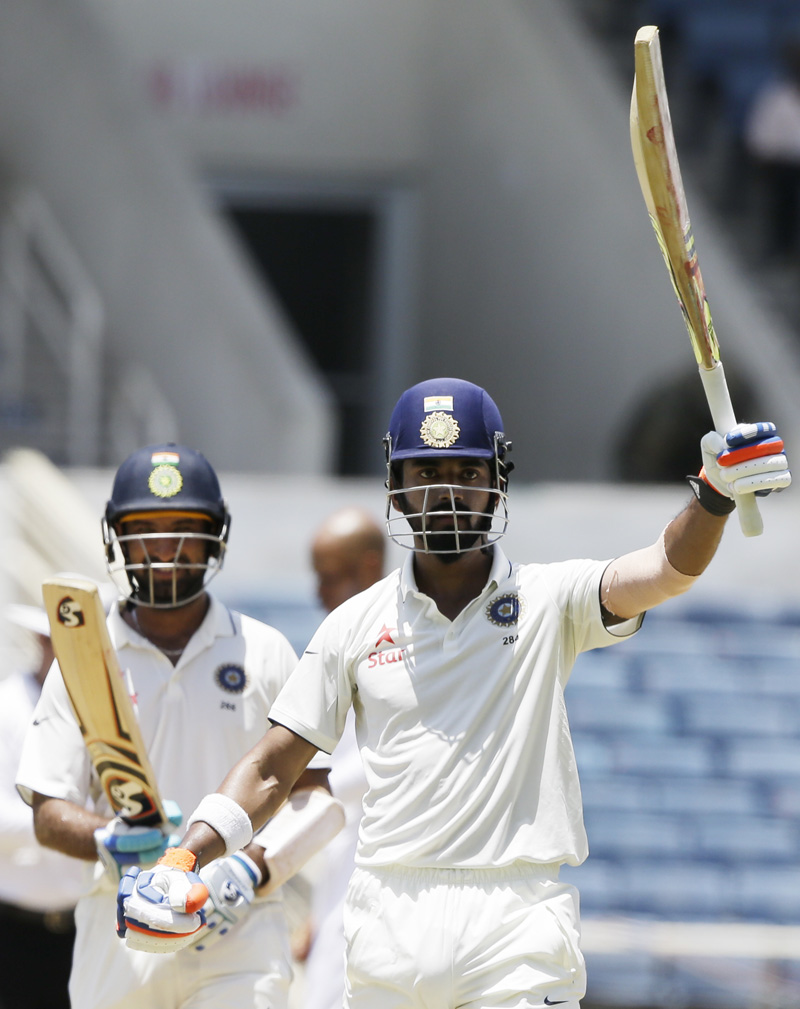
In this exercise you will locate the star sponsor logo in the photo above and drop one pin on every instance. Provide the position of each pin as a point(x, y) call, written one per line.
point(385, 636)
point(385, 656)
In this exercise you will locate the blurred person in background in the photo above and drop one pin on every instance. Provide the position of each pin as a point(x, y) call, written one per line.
point(38, 887)
point(347, 554)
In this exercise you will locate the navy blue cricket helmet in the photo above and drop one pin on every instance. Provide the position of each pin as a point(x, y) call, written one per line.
point(165, 478)
point(445, 417)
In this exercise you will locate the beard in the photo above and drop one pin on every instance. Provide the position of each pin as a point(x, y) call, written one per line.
point(174, 588)
point(452, 544)
point(449, 541)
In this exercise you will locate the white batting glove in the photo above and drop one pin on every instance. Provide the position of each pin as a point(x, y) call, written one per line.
point(231, 884)
point(750, 459)
point(160, 910)
point(120, 844)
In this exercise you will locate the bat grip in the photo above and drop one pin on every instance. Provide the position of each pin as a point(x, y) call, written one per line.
point(719, 402)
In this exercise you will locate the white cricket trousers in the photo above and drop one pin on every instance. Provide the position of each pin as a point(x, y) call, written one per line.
point(505, 938)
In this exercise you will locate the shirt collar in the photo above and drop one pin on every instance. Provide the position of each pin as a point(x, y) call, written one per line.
point(500, 570)
point(217, 623)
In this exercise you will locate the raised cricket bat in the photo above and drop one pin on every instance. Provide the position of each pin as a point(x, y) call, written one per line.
point(656, 159)
point(100, 697)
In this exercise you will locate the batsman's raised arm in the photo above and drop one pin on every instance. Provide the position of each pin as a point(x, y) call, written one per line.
point(750, 459)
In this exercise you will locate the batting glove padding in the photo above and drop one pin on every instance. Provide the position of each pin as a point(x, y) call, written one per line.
point(160, 910)
point(231, 883)
point(120, 844)
point(750, 459)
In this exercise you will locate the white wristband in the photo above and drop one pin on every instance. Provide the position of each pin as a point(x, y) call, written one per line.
point(227, 817)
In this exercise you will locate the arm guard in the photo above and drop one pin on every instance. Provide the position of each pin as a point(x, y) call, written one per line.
point(640, 580)
point(302, 826)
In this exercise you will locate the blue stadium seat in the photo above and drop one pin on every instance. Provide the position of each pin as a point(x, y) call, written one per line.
point(745, 838)
point(707, 795)
point(782, 797)
point(623, 834)
point(596, 708)
point(743, 714)
point(717, 33)
point(768, 893)
point(676, 889)
point(684, 675)
point(618, 792)
point(763, 758)
point(777, 676)
point(593, 756)
point(598, 881)
point(601, 667)
point(662, 756)
point(625, 979)
point(660, 12)
point(741, 81)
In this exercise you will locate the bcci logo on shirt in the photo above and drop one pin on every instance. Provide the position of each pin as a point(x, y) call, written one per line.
point(231, 678)
point(505, 610)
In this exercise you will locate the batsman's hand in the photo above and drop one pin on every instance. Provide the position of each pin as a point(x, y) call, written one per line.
point(160, 910)
point(231, 884)
point(750, 459)
point(121, 845)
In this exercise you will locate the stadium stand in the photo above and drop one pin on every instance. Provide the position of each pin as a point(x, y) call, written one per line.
point(719, 57)
point(688, 741)
point(692, 773)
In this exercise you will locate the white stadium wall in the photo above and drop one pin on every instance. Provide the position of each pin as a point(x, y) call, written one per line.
point(535, 271)
point(178, 296)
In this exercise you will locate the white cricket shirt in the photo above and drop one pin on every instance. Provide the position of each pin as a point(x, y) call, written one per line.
point(462, 725)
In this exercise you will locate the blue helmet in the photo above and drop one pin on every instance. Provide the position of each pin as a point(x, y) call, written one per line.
point(167, 479)
point(444, 417)
point(447, 417)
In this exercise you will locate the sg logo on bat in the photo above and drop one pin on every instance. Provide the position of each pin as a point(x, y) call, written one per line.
point(70, 613)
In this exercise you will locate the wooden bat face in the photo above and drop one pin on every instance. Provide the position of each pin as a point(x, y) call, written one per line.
point(100, 697)
point(658, 169)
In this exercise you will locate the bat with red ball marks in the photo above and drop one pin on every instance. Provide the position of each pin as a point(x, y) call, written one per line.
point(656, 160)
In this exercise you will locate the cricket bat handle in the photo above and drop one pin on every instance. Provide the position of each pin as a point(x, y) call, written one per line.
point(719, 402)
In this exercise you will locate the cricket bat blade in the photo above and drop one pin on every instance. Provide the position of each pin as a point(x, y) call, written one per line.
point(101, 699)
point(658, 170)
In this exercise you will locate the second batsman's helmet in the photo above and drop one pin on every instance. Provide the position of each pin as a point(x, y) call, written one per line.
point(445, 417)
point(162, 479)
